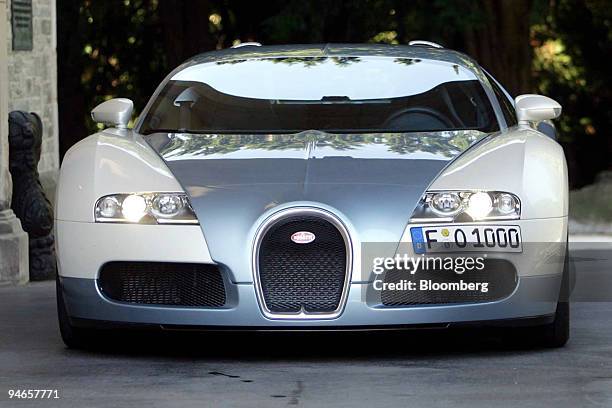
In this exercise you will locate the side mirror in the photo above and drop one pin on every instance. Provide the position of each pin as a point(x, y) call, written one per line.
point(115, 112)
point(533, 108)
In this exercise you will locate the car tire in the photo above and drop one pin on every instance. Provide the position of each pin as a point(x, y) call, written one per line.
point(557, 333)
point(73, 337)
point(554, 334)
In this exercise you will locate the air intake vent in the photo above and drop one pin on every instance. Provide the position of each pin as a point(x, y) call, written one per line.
point(499, 274)
point(162, 283)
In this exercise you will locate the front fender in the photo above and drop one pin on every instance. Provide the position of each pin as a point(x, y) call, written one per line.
point(108, 162)
point(524, 162)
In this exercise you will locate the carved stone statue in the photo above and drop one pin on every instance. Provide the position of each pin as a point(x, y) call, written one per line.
point(29, 201)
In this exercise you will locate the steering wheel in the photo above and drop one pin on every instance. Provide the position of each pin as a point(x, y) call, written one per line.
point(418, 118)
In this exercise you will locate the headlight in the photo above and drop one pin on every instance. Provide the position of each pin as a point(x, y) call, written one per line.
point(479, 205)
point(146, 208)
point(446, 204)
point(465, 206)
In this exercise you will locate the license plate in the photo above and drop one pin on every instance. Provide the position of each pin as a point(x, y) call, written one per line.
point(473, 238)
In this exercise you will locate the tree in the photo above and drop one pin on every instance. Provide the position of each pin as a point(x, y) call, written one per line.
point(501, 42)
point(573, 43)
point(71, 98)
point(98, 61)
point(186, 29)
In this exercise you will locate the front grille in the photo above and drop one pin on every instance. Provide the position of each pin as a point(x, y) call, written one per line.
point(302, 277)
point(498, 273)
point(163, 283)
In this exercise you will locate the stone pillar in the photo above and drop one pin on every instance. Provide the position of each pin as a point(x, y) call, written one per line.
point(33, 85)
point(13, 240)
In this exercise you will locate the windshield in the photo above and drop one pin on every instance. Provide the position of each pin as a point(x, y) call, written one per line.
point(331, 94)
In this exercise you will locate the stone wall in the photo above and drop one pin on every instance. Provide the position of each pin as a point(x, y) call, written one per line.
point(32, 80)
point(5, 179)
point(14, 264)
point(28, 81)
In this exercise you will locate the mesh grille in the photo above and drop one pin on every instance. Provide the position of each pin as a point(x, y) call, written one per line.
point(302, 276)
point(161, 283)
point(498, 273)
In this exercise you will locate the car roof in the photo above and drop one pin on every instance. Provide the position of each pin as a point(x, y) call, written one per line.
point(334, 50)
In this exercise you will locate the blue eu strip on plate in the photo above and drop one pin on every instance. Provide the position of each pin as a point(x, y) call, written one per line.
point(418, 241)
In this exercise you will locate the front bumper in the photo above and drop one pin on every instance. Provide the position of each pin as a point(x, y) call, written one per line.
point(84, 247)
point(534, 297)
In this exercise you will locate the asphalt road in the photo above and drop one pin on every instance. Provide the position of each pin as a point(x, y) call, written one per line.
point(417, 369)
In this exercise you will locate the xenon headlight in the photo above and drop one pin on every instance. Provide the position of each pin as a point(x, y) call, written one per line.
point(145, 208)
point(465, 206)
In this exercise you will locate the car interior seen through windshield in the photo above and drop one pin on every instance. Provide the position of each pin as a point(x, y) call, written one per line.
point(332, 94)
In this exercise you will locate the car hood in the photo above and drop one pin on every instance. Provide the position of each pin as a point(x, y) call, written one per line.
point(371, 181)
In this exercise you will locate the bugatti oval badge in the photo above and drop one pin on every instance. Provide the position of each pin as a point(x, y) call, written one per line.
point(303, 237)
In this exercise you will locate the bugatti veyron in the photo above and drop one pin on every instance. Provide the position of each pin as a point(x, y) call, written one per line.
point(283, 187)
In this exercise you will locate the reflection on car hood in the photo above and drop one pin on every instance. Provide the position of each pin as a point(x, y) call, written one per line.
point(373, 181)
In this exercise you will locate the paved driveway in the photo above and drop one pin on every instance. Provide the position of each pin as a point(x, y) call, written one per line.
point(463, 369)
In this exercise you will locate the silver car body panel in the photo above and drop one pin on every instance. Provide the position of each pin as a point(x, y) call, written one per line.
point(370, 182)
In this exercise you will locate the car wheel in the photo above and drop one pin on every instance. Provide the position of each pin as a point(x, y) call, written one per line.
point(73, 337)
point(556, 334)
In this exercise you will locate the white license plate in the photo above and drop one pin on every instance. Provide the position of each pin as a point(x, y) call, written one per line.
point(473, 238)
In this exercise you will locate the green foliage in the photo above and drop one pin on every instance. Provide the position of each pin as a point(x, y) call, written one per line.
point(121, 53)
point(593, 203)
point(573, 62)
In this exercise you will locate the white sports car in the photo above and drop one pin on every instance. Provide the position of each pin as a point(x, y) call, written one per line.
point(317, 187)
